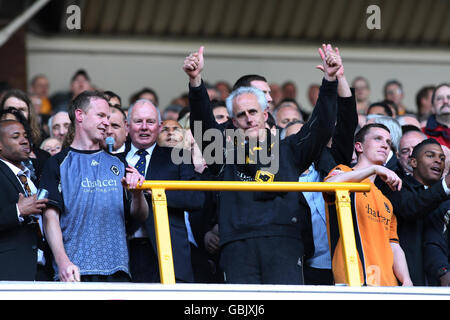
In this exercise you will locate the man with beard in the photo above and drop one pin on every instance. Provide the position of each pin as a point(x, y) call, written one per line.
point(438, 124)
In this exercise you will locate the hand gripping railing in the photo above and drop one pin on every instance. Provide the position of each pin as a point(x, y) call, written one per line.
point(162, 230)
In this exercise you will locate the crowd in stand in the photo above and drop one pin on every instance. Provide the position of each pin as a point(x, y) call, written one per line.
point(86, 147)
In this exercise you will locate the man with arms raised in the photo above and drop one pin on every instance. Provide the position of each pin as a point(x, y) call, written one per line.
point(260, 233)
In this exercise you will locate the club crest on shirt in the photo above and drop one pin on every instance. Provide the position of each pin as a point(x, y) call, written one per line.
point(264, 176)
point(115, 170)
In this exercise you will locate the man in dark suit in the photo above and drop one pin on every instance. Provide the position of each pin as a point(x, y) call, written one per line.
point(155, 163)
point(19, 231)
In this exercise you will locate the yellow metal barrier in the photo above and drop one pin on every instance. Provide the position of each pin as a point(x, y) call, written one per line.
point(162, 230)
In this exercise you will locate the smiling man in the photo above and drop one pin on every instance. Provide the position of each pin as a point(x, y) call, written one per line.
point(19, 235)
point(85, 219)
point(422, 195)
point(155, 163)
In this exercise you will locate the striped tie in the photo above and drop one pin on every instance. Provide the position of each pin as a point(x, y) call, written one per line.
point(141, 164)
point(30, 219)
point(24, 180)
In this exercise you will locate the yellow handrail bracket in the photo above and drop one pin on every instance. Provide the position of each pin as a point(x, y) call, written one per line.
point(162, 230)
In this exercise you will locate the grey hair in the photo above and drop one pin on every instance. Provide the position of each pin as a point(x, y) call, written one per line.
point(243, 90)
point(130, 109)
point(50, 122)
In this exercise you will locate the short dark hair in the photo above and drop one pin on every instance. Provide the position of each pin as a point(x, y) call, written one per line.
point(410, 127)
point(362, 133)
point(217, 104)
point(390, 82)
point(385, 106)
point(82, 101)
point(115, 107)
point(136, 95)
point(421, 145)
point(18, 115)
point(244, 81)
point(392, 104)
point(109, 94)
point(80, 72)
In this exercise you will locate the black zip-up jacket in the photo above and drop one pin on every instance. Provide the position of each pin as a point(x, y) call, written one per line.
point(437, 243)
point(244, 215)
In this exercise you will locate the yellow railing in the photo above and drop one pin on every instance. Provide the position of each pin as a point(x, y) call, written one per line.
point(162, 230)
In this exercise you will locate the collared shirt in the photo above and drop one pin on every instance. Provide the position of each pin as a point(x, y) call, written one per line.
point(25, 171)
point(132, 158)
point(120, 150)
point(321, 258)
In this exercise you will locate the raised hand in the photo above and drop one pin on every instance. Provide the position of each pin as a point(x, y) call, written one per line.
point(193, 65)
point(331, 62)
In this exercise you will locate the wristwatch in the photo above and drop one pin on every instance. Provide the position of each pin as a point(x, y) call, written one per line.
point(442, 271)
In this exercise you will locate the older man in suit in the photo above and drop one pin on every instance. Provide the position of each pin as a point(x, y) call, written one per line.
point(155, 163)
point(19, 229)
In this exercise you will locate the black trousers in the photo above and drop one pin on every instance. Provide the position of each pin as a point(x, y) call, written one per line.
point(143, 261)
point(263, 260)
point(116, 277)
point(315, 276)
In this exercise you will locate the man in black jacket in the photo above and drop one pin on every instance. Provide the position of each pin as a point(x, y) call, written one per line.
point(19, 231)
point(260, 233)
point(437, 246)
point(421, 196)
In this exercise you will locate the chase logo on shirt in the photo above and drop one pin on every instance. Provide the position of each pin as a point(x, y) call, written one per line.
point(115, 170)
